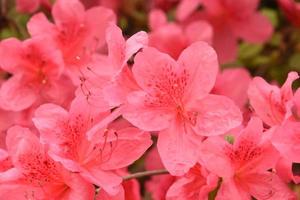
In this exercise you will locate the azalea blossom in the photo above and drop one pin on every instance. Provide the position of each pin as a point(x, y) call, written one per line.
point(111, 149)
point(231, 20)
point(36, 67)
point(75, 32)
point(174, 99)
point(245, 165)
point(34, 175)
point(272, 104)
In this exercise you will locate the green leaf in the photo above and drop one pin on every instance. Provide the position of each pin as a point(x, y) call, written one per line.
point(247, 50)
point(272, 15)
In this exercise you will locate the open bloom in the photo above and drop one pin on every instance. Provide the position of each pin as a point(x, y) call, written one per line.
point(174, 99)
point(244, 165)
point(231, 20)
point(272, 104)
point(76, 32)
point(34, 175)
point(107, 83)
point(36, 67)
point(110, 149)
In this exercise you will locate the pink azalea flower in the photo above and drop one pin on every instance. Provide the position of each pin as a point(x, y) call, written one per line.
point(244, 165)
point(36, 67)
point(231, 20)
point(107, 83)
point(172, 37)
point(174, 99)
point(75, 32)
point(94, 159)
point(35, 175)
point(271, 103)
point(291, 10)
point(236, 19)
point(29, 6)
point(196, 184)
point(227, 79)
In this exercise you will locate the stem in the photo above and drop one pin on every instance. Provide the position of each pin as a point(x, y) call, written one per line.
point(141, 174)
point(145, 173)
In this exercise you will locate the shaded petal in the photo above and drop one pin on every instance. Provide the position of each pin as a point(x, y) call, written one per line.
point(186, 8)
point(257, 28)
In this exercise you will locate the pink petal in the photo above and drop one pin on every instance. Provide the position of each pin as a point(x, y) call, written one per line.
point(286, 89)
point(16, 96)
point(20, 140)
point(97, 28)
point(148, 64)
point(78, 189)
point(169, 39)
point(157, 19)
point(201, 63)
point(264, 99)
point(225, 43)
point(286, 139)
point(229, 190)
point(103, 195)
point(135, 43)
point(40, 25)
point(145, 117)
point(48, 119)
point(177, 152)
point(199, 31)
point(186, 8)
point(238, 93)
point(116, 46)
point(216, 115)
point(10, 54)
point(256, 29)
point(130, 142)
point(213, 155)
point(71, 11)
point(268, 186)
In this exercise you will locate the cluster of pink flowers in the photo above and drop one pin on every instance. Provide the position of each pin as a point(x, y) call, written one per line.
point(80, 103)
